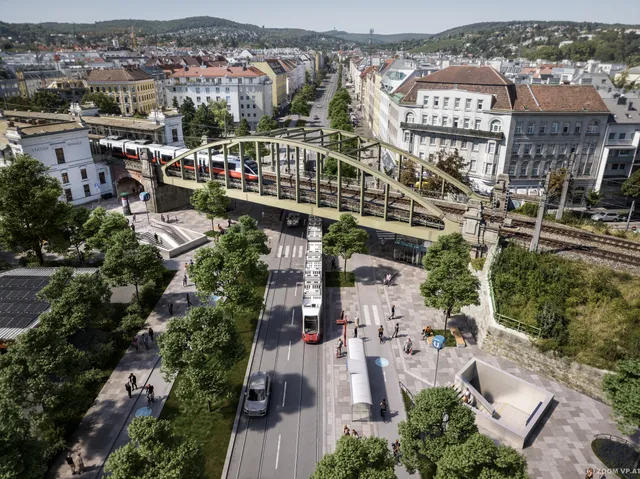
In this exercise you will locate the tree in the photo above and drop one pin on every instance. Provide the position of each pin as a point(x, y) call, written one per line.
point(243, 128)
point(72, 231)
point(104, 102)
point(367, 457)
point(450, 163)
point(155, 450)
point(346, 170)
point(223, 116)
point(592, 199)
point(344, 238)
point(46, 100)
point(452, 242)
point(450, 285)
point(187, 110)
point(204, 123)
point(266, 123)
point(556, 181)
point(300, 106)
point(174, 103)
point(437, 421)
point(307, 77)
point(622, 389)
point(479, 457)
point(409, 174)
point(129, 262)
point(102, 226)
point(631, 187)
point(211, 200)
point(203, 346)
point(30, 207)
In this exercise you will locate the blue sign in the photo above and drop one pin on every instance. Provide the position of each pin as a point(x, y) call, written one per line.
point(143, 412)
point(438, 341)
point(382, 362)
point(144, 196)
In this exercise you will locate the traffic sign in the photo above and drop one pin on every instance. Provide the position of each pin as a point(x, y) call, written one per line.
point(144, 196)
point(96, 185)
point(438, 341)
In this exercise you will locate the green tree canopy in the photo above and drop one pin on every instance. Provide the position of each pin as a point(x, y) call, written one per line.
point(357, 458)
point(222, 115)
point(157, 451)
point(47, 100)
point(452, 242)
point(622, 389)
point(203, 346)
point(300, 106)
point(451, 163)
point(104, 102)
point(266, 123)
point(204, 123)
point(101, 228)
point(243, 128)
point(345, 238)
point(211, 200)
point(631, 187)
point(129, 262)
point(72, 232)
point(331, 168)
point(479, 457)
point(30, 207)
point(437, 421)
point(409, 173)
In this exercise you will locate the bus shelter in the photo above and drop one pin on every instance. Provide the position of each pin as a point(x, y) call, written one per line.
point(361, 402)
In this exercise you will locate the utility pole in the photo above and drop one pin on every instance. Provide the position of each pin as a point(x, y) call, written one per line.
point(633, 207)
point(533, 248)
point(370, 46)
point(565, 188)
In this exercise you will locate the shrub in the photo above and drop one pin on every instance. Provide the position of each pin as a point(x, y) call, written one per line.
point(528, 209)
point(478, 263)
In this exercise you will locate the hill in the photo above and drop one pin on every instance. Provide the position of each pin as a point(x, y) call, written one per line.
point(376, 38)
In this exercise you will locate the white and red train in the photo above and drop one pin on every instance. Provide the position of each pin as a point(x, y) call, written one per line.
point(313, 283)
point(163, 154)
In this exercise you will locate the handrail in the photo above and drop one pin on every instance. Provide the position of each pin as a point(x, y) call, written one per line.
point(406, 390)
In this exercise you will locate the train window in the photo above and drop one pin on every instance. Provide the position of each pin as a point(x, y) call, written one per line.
point(166, 158)
point(117, 149)
point(131, 151)
point(232, 166)
point(218, 164)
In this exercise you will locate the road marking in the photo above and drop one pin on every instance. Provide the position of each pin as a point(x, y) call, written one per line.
point(289, 352)
point(286, 251)
point(284, 395)
point(279, 251)
point(278, 453)
point(301, 253)
point(293, 316)
point(367, 320)
point(384, 375)
point(376, 317)
point(302, 234)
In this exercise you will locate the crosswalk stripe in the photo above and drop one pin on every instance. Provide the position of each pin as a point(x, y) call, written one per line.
point(286, 251)
point(365, 310)
point(279, 251)
point(376, 317)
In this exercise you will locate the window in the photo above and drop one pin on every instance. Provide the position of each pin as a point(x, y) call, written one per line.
point(593, 127)
point(527, 148)
point(456, 103)
point(463, 145)
point(456, 122)
point(227, 90)
point(409, 117)
point(425, 119)
point(587, 169)
point(472, 165)
point(421, 155)
point(445, 121)
point(217, 89)
point(480, 103)
point(467, 104)
point(519, 128)
point(83, 174)
point(87, 190)
point(554, 127)
point(543, 128)
point(432, 140)
point(488, 167)
point(198, 99)
point(423, 139)
point(622, 136)
point(65, 178)
point(547, 167)
point(68, 195)
point(531, 128)
point(516, 149)
point(434, 120)
point(466, 123)
point(445, 104)
point(477, 125)
point(512, 169)
point(475, 146)
point(406, 136)
point(577, 127)
point(612, 136)
point(523, 168)
point(614, 166)
point(425, 101)
point(536, 169)
point(592, 148)
point(496, 126)
point(539, 149)
point(436, 101)
point(217, 98)
point(102, 178)
point(60, 155)
point(208, 99)
point(197, 89)
point(491, 147)
point(562, 149)
point(565, 127)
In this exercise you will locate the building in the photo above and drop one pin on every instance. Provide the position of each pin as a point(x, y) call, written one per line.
point(132, 89)
point(160, 78)
point(29, 82)
point(247, 90)
point(278, 76)
point(65, 149)
point(71, 91)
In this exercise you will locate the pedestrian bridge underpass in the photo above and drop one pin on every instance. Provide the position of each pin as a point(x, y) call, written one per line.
point(295, 172)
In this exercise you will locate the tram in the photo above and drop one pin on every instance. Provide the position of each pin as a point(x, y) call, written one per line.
point(313, 283)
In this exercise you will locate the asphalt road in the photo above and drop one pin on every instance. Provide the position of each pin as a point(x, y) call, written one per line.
point(321, 104)
point(287, 442)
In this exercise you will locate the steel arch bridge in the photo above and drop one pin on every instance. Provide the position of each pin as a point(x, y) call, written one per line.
point(300, 184)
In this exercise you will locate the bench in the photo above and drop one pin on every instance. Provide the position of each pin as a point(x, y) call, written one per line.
point(456, 334)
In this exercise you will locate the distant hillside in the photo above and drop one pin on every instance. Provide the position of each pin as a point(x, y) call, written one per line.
point(378, 39)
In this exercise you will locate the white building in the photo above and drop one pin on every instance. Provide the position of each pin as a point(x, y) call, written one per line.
point(64, 148)
point(247, 90)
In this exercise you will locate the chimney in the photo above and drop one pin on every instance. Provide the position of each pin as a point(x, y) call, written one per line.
point(622, 100)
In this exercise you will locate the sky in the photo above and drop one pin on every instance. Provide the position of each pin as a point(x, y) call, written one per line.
point(355, 16)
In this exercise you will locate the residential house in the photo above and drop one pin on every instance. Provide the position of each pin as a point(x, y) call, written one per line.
point(278, 76)
point(133, 89)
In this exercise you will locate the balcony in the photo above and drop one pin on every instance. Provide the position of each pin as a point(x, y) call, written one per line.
point(446, 130)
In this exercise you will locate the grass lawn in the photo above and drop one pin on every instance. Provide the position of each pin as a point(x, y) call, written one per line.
point(213, 430)
point(336, 279)
point(450, 341)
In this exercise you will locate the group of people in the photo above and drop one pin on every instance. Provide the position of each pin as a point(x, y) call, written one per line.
point(467, 397)
point(426, 332)
point(350, 432)
point(145, 340)
point(132, 385)
point(395, 447)
point(75, 462)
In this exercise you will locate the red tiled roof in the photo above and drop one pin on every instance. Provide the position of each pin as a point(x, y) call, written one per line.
point(118, 75)
point(219, 72)
point(559, 98)
point(465, 75)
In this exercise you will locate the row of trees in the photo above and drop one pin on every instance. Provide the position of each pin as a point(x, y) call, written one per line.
point(339, 110)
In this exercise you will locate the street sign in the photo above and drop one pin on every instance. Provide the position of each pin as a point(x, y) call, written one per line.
point(438, 342)
point(96, 185)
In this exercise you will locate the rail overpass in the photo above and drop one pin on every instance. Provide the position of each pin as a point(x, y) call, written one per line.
point(291, 175)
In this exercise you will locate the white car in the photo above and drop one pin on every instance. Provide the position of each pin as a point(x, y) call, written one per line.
point(605, 216)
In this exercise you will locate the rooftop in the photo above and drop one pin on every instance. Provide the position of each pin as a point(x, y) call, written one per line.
point(624, 110)
point(115, 121)
point(118, 75)
point(209, 72)
point(36, 130)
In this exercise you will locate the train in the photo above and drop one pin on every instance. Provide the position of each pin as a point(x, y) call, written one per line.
point(313, 283)
point(163, 154)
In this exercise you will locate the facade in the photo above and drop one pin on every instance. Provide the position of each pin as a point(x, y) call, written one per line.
point(247, 90)
point(278, 76)
point(133, 89)
point(69, 90)
point(64, 148)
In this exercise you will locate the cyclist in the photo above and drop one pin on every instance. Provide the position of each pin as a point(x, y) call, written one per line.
point(383, 408)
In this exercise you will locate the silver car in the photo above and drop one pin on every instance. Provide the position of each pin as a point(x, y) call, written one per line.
point(605, 216)
point(256, 399)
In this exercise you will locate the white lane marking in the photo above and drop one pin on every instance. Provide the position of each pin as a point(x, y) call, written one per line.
point(376, 317)
point(295, 293)
point(301, 252)
point(289, 352)
point(302, 234)
point(286, 251)
point(384, 375)
point(279, 251)
point(367, 320)
point(293, 316)
point(278, 453)
point(284, 394)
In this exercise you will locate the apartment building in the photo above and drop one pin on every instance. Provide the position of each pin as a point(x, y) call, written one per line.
point(247, 90)
point(133, 89)
point(278, 76)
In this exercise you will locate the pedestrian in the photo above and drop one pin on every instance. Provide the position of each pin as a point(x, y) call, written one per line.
point(133, 228)
point(355, 331)
point(127, 386)
point(134, 343)
point(186, 266)
point(145, 341)
point(150, 333)
point(188, 301)
point(408, 346)
point(380, 334)
point(355, 434)
point(150, 395)
point(388, 279)
point(162, 218)
point(170, 309)
point(185, 280)
point(346, 431)
point(342, 315)
point(155, 237)
point(393, 312)
point(229, 222)
point(72, 465)
point(396, 330)
point(132, 380)
point(589, 474)
point(333, 263)
point(357, 320)
point(127, 221)
point(134, 219)
point(191, 262)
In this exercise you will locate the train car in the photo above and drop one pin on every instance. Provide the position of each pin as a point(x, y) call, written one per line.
point(313, 283)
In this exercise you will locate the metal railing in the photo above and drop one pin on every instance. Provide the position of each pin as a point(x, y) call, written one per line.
point(409, 394)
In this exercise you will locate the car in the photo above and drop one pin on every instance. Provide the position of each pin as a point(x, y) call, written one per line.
point(318, 105)
point(316, 117)
point(605, 216)
point(256, 397)
point(293, 219)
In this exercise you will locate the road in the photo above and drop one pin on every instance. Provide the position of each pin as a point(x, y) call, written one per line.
point(321, 104)
point(287, 442)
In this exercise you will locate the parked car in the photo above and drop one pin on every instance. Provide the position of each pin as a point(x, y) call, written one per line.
point(316, 117)
point(606, 216)
point(256, 400)
point(293, 219)
point(318, 105)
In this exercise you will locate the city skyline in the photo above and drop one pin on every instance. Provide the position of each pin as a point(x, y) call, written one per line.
point(279, 14)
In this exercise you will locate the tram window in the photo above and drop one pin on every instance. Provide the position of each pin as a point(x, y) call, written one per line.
point(166, 158)
point(218, 164)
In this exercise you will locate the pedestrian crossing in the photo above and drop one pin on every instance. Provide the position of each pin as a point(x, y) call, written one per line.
point(367, 317)
point(290, 251)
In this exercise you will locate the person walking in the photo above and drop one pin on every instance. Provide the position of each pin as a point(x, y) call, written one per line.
point(162, 218)
point(150, 395)
point(185, 280)
point(145, 341)
point(380, 334)
point(134, 343)
point(133, 228)
point(127, 386)
point(355, 331)
point(170, 308)
point(132, 380)
point(79, 463)
point(393, 312)
point(396, 330)
point(150, 333)
point(134, 219)
point(72, 465)
point(188, 301)
point(229, 222)
point(155, 237)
